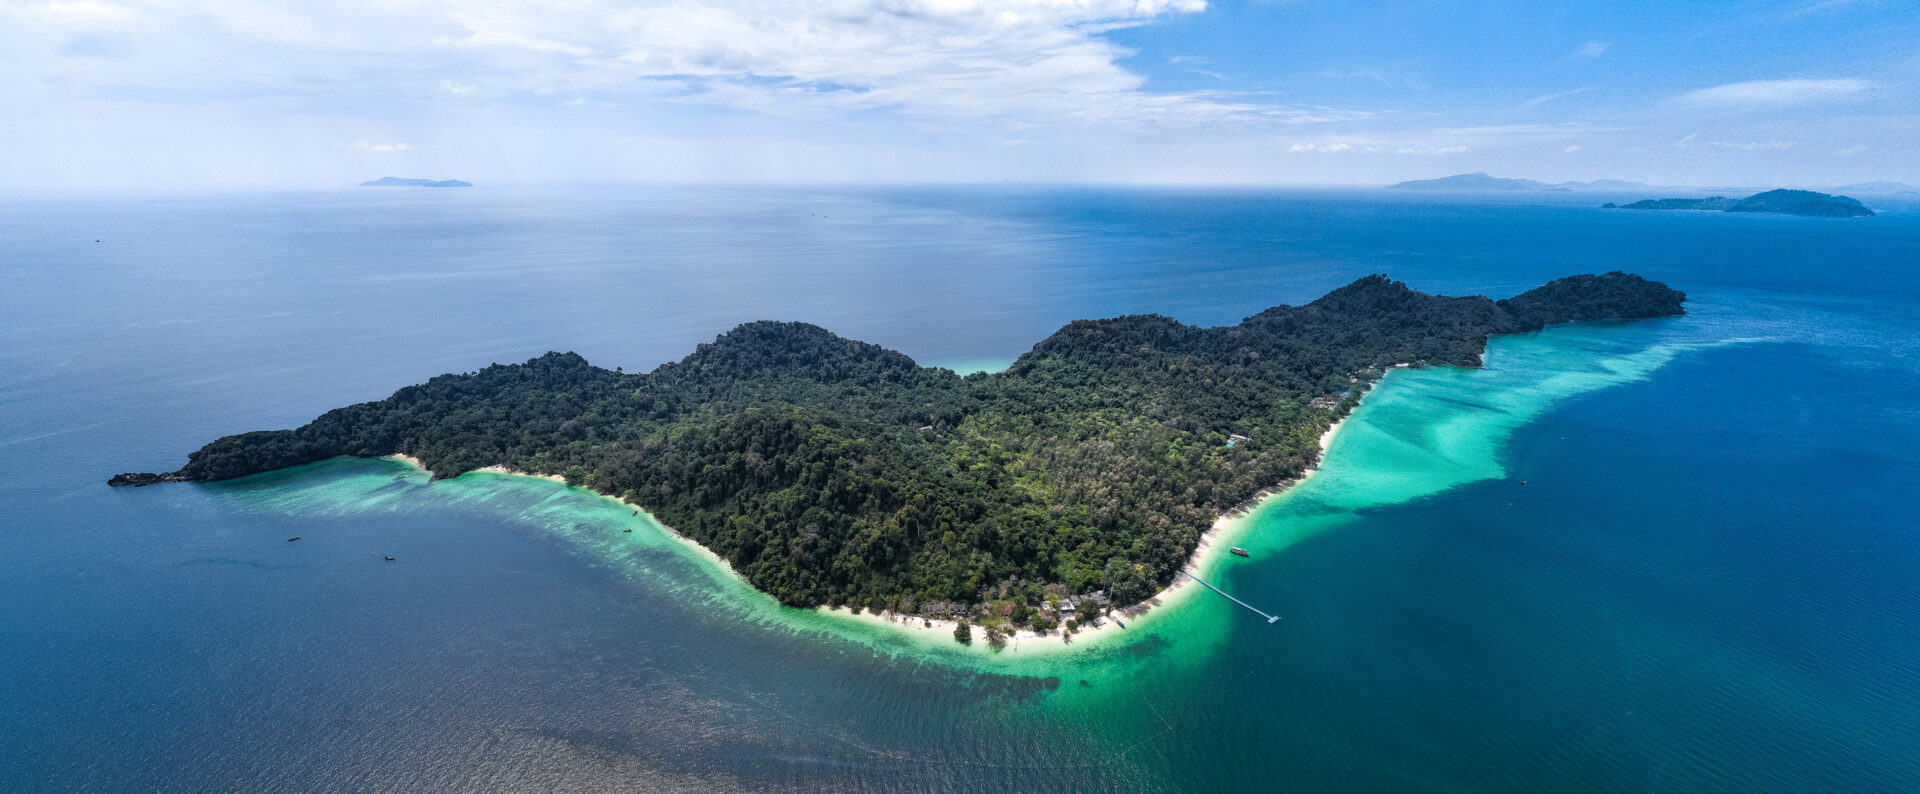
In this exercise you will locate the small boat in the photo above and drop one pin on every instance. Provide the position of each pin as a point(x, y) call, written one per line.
point(636, 512)
point(629, 529)
point(389, 559)
point(292, 539)
point(1239, 552)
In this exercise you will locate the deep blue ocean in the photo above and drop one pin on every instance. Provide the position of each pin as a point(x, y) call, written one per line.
point(1710, 582)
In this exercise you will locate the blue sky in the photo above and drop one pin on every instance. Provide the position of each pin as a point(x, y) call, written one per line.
point(116, 93)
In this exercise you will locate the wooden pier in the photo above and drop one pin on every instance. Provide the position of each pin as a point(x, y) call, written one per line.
point(1270, 618)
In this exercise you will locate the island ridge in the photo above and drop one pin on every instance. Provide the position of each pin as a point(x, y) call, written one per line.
point(828, 471)
point(394, 181)
point(1784, 202)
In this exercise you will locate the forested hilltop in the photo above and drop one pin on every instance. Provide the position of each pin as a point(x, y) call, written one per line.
point(830, 471)
point(1785, 202)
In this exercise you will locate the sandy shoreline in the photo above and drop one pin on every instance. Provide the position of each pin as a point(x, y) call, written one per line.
point(415, 462)
point(1215, 541)
point(691, 544)
point(518, 473)
point(1212, 544)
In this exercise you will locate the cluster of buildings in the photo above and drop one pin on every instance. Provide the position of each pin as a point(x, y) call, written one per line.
point(1089, 609)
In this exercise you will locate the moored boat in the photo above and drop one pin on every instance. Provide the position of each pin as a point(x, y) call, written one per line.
point(1240, 552)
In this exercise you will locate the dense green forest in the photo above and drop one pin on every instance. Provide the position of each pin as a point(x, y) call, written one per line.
point(831, 471)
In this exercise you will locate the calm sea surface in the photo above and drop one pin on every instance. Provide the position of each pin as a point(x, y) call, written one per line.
point(1710, 580)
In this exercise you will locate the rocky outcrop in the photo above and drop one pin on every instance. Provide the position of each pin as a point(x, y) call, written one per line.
point(139, 478)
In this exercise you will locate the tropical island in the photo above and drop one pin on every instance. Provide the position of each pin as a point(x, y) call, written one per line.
point(1881, 187)
point(828, 471)
point(395, 181)
point(1785, 202)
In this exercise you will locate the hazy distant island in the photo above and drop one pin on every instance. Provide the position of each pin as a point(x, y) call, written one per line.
point(832, 471)
point(1479, 181)
point(394, 181)
point(1882, 187)
point(1786, 202)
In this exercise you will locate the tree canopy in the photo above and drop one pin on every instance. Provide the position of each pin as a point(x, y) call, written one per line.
point(832, 471)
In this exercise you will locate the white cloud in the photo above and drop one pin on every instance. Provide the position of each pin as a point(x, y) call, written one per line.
point(1588, 51)
point(1545, 98)
point(1820, 6)
point(1447, 141)
point(484, 31)
point(746, 86)
point(1394, 81)
point(1572, 150)
point(1762, 94)
point(1526, 130)
point(1853, 150)
point(1758, 146)
point(84, 9)
point(1045, 62)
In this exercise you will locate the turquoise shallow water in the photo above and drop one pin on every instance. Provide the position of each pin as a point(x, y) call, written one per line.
point(1704, 583)
point(1431, 430)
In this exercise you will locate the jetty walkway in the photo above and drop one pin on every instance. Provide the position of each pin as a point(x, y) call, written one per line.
point(1270, 618)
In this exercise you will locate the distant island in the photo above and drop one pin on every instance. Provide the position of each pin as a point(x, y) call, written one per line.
point(1881, 187)
point(831, 471)
point(1786, 202)
point(1474, 181)
point(1479, 181)
point(394, 181)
